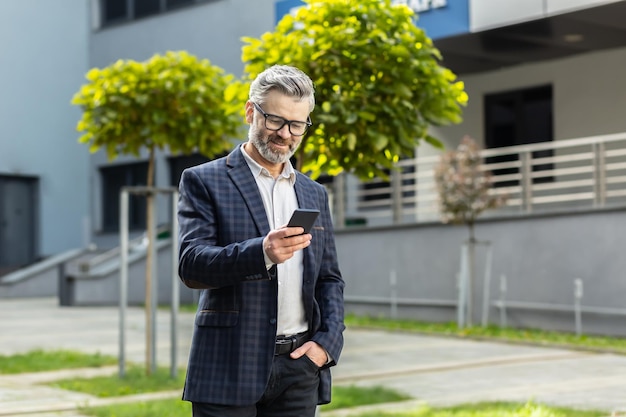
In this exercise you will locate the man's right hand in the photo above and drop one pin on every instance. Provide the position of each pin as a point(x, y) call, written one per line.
point(280, 244)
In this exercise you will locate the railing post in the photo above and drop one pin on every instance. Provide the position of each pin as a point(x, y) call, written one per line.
point(599, 174)
point(527, 181)
point(396, 195)
point(339, 193)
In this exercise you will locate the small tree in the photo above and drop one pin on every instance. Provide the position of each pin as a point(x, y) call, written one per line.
point(173, 101)
point(464, 190)
point(378, 79)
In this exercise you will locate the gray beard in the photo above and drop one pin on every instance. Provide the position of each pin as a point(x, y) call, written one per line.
point(262, 145)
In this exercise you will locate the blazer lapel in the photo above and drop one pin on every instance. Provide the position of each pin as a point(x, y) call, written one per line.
point(241, 176)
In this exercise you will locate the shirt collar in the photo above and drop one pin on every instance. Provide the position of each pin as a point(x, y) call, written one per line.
point(288, 171)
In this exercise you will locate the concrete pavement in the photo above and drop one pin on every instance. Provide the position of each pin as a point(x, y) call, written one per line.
point(434, 370)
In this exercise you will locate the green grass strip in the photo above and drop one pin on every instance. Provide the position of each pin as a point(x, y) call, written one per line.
point(169, 408)
point(40, 360)
point(135, 381)
point(493, 409)
point(535, 336)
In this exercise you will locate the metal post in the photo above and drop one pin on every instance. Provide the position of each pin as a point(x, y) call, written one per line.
point(463, 282)
point(154, 290)
point(502, 300)
point(578, 295)
point(175, 288)
point(123, 279)
point(487, 285)
point(393, 281)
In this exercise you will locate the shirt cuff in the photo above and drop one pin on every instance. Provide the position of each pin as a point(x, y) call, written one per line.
point(268, 261)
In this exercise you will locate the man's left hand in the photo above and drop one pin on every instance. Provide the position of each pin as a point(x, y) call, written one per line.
point(314, 351)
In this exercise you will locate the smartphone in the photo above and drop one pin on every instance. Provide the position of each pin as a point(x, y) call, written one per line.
point(303, 218)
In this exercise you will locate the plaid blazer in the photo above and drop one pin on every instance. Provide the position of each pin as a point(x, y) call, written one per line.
point(222, 226)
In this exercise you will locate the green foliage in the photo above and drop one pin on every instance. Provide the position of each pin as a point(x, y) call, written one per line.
point(173, 101)
point(379, 82)
point(134, 382)
point(39, 361)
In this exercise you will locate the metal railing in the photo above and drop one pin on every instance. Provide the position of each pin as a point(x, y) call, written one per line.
point(583, 173)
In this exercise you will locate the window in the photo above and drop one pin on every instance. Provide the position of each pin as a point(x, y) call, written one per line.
point(517, 118)
point(115, 11)
point(179, 163)
point(113, 179)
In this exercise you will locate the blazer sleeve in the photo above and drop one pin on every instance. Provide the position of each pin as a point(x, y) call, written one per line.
point(329, 294)
point(203, 261)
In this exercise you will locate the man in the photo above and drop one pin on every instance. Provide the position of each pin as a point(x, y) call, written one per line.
point(270, 316)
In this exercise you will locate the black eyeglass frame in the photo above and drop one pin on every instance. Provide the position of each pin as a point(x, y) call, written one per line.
point(308, 122)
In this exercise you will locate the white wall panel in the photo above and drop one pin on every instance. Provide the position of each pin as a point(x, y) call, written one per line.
point(563, 6)
point(486, 14)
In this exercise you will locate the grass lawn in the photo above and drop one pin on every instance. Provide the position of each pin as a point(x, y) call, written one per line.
point(177, 408)
point(496, 409)
point(342, 397)
point(40, 360)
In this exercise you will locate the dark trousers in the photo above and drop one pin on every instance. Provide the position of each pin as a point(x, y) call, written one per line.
point(291, 391)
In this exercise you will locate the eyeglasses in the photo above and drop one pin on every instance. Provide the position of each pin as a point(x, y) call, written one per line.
point(275, 123)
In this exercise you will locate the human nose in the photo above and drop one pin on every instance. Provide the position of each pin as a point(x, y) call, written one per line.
point(284, 131)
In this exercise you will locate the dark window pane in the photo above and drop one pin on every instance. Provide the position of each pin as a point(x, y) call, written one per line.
point(113, 179)
point(172, 4)
point(114, 10)
point(516, 118)
point(179, 163)
point(146, 7)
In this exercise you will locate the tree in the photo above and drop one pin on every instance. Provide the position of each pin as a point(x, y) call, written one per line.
point(464, 190)
point(173, 101)
point(379, 83)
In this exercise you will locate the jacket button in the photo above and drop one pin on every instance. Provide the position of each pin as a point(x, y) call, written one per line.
point(272, 321)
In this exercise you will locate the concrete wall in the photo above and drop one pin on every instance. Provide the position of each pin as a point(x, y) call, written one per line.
point(44, 57)
point(540, 257)
point(102, 287)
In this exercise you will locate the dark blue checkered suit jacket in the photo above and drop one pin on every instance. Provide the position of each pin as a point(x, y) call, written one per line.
point(222, 225)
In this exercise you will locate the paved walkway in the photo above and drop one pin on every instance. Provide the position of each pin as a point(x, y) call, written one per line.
point(434, 370)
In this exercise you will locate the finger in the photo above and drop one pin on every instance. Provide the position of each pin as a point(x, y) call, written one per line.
point(300, 351)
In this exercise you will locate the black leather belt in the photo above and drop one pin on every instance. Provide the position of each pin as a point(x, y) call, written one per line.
point(287, 344)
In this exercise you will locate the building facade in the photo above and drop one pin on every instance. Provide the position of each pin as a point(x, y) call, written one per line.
point(536, 71)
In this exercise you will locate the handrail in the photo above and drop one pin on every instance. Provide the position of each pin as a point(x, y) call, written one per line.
point(111, 254)
point(587, 172)
point(41, 266)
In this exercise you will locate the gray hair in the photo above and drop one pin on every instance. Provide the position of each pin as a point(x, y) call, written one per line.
point(285, 79)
